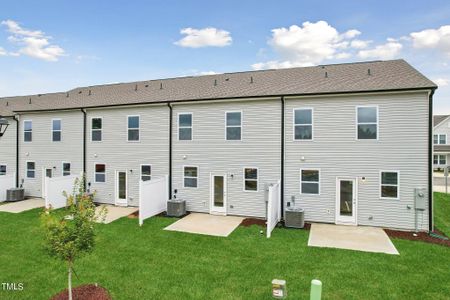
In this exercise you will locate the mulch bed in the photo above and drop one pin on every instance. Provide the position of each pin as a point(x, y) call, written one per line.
point(84, 292)
point(421, 236)
point(247, 222)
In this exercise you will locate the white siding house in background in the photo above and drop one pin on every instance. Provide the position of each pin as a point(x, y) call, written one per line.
point(8, 148)
point(441, 134)
point(349, 143)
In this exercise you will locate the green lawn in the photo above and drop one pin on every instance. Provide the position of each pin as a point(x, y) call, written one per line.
point(442, 212)
point(149, 263)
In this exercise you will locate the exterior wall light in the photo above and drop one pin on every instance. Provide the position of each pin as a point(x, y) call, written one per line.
point(3, 125)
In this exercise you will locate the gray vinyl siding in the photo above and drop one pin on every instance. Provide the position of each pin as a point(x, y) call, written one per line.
point(48, 154)
point(402, 146)
point(120, 155)
point(259, 148)
point(8, 147)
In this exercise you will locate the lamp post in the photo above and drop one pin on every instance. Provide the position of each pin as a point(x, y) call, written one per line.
point(3, 125)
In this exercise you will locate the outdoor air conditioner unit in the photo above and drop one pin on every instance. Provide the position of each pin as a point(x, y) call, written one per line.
point(176, 208)
point(294, 217)
point(15, 194)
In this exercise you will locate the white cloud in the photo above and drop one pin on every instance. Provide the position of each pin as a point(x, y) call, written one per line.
point(33, 43)
point(205, 37)
point(3, 52)
point(307, 45)
point(433, 38)
point(206, 73)
point(389, 50)
point(442, 81)
point(359, 44)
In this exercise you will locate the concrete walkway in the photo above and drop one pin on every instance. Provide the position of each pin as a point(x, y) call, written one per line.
point(21, 206)
point(360, 238)
point(206, 224)
point(114, 212)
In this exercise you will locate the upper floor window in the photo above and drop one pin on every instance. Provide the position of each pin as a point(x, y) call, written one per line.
point(303, 124)
point(233, 126)
point(66, 169)
point(309, 181)
point(2, 169)
point(367, 119)
point(27, 131)
point(146, 172)
point(389, 183)
point(56, 130)
point(133, 128)
point(440, 139)
point(31, 169)
point(251, 179)
point(96, 129)
point(100, 173)
point(190, 177)
point(185, 126)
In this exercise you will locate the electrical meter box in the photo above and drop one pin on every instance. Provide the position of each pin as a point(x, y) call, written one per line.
point(420, 199)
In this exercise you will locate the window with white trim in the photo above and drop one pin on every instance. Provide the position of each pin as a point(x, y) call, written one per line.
point(185, 127)
point(190, 177)
point(56, 130)
point(251, 179)
point(27, 131)
point(389, 182)
point(440, 139)
point(31, 169)
point(133, 128)
point(367, 120)
point(233, 126)
point(100, 173)
point(2, 169)
point(440, 159)
point(303, 124)
point(146, 172)
point(96, 129)
point(310, 181)
point(66, 169)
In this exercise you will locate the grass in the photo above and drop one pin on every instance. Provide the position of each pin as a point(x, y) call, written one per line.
point(442, 212)
point(150, 263)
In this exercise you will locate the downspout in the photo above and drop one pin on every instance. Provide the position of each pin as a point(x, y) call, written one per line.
point(84, 147)
point(282, 158)
point(16, 118)
point(430, 162)
point(170, 148)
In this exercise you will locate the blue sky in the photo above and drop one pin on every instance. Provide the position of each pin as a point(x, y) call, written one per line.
point(48, 46)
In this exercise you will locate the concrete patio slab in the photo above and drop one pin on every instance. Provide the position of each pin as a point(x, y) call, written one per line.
point(114, 212)
point(360, 238)
point(206, 224)
point(21, 206)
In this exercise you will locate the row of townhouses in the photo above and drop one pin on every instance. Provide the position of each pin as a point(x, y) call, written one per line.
point(440, 140)
point(349, 143)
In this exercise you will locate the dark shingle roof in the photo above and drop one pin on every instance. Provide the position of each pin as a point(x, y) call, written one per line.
point(441, 148)
point(338, 78)
point(438, 119)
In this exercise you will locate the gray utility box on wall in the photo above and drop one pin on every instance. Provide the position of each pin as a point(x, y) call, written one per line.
point(294, 217)
point(176, 208)
point(15, 194)
point(420, 199)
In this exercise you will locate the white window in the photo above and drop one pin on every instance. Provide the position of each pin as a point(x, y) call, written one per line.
point(190, 176)
point(303, 124)
point(389, 184)
point(31, 169)
point(2, 169)
point(146, 172)
point(100, 173)
point(251, 179)
point(66, 169)
point(96, 129)
point(185, 127)
point(27, 131)
point(310, 181)
point(233, 126)
point(133, 128)
point(56, 130)
point(367, 120)
point(440, 139)
point(439, 159)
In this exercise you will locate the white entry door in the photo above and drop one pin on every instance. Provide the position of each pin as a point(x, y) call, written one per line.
point(218, 194)
point(121, 188)
point(346, 201)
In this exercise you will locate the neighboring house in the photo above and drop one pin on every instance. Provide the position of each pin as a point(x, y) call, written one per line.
point(8, 143)
point(339, 138)
point(441, 134)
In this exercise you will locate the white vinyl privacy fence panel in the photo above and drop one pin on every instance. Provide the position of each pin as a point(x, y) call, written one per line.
point(6, 182)
point(153, 196)
point(54, 189)
point(273, 207)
